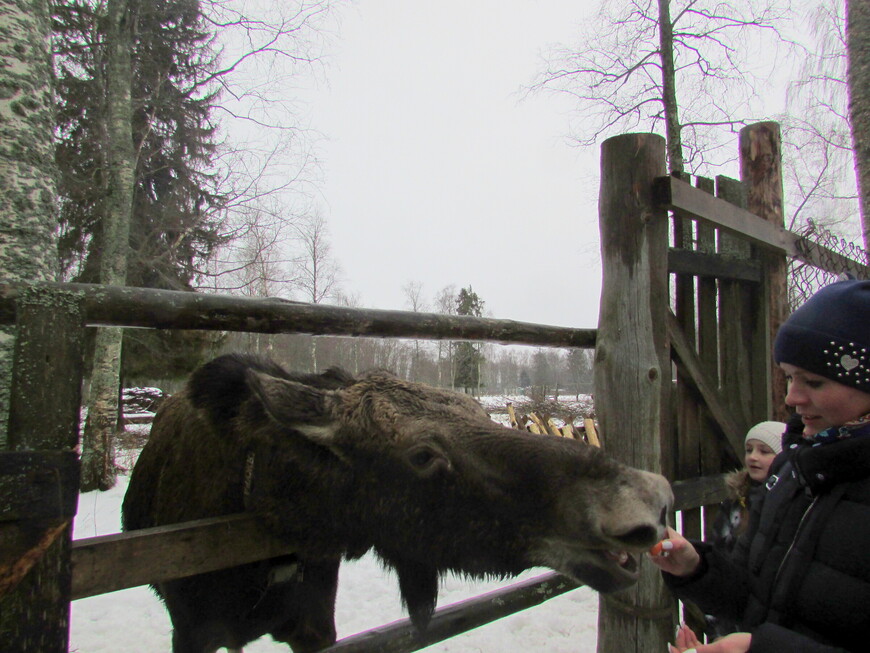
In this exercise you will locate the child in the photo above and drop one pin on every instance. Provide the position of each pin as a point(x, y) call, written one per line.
point(799, 581)
point(745, 486)
point(762, 442)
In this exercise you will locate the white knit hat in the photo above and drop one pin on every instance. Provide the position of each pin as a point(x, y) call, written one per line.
point(770, 433)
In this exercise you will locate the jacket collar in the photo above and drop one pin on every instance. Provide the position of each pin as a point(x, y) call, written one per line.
point(821, 467)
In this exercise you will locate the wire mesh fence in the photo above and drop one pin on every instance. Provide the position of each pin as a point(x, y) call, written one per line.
point(806, 278)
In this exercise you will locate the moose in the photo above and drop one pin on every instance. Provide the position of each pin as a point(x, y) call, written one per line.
point(337, 465)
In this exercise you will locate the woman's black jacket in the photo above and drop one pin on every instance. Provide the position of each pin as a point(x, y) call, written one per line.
point(799, 578)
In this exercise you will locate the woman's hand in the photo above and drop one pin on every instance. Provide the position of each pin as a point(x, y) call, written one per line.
point(685, 640)
point(733, 643)
point(676, 555)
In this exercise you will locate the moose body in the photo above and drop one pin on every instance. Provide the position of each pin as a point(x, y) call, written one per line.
point(338, 465)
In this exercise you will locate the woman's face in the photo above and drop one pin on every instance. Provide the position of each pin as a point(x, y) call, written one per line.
point(758, 458)
point(821, 402)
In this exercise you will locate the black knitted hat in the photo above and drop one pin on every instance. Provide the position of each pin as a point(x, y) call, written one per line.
point(830, 334)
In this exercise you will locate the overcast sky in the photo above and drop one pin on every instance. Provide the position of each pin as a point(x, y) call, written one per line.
point(436, 171)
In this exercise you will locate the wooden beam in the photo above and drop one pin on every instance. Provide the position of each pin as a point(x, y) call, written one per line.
point(175, 309)
point(683, 199)
point(701, 264)
point(591, 433)
point(553, 428)
point(401, 636)
point(115, 562)
point(512, 416)
point(632, 356)
point(698, 492)
point(689, 363)
point(539, 423)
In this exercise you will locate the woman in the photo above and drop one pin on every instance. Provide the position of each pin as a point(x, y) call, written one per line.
point(799, 579)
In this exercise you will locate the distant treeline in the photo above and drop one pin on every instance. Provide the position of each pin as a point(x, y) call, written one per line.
point(503, 369)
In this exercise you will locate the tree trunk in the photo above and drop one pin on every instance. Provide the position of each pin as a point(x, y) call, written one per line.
point(632, 363)
point(27, 249)
point(761, 174)
point(34, 613)
point(98, 467)
point(669, 89)
point(858, 45)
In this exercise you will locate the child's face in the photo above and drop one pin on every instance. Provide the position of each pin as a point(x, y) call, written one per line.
point(821, 402)
point(758, 458)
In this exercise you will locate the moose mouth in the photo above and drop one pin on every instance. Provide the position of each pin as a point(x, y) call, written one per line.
point(624, 559)
point(604, 570)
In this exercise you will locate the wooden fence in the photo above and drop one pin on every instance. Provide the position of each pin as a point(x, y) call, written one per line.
point(704, 306)
point(689, 309)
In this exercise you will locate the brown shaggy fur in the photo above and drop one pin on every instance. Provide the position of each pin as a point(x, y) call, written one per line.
point(342, 465)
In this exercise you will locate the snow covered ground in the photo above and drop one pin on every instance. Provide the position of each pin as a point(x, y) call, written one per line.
point(134, 620)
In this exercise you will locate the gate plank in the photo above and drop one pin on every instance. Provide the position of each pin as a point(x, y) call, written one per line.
point(114, 562)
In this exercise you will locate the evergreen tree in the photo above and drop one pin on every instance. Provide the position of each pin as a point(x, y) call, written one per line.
point(134, 140)
point(579, 363)
point(175, 207)
point(468, 358)
point(524, 379)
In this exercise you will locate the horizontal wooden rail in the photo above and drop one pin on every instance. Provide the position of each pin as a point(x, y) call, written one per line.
point(114, 562)
point(174, 309)
point(685, 200)
point(401, 636)
point(718, 266)
point(701, 491)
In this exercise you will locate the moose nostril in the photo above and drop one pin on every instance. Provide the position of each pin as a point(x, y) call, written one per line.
point(639, 536)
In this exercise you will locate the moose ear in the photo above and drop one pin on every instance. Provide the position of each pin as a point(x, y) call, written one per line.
point(295, 405)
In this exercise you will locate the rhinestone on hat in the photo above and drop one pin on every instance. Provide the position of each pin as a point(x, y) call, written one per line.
point(850, 361)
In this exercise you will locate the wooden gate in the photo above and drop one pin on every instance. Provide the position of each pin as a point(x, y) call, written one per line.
point(689, 308)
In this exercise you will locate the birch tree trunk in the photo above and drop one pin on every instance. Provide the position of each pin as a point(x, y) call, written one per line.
point(669, 89)
point(27, 249)
point(858, 45)
point(98, 466)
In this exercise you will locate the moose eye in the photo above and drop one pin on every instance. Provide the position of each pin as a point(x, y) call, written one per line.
point(426, 460)
point(421, 457)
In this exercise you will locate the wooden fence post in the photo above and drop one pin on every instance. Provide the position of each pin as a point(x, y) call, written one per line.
point(39, 474)
point(632, 363)
point(761, 174)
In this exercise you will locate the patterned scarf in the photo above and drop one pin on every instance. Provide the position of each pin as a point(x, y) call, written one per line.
point(853, 429)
